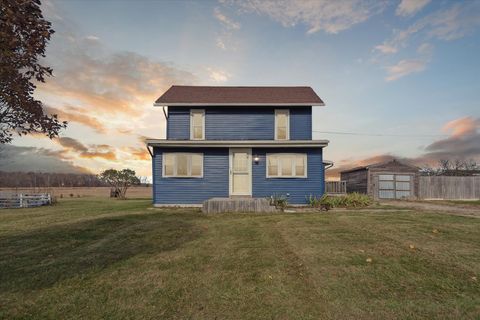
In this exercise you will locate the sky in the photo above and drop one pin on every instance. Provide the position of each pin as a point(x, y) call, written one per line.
point(399, 78)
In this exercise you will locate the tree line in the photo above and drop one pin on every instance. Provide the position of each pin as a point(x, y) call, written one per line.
point(48, 179)
point(452, 167)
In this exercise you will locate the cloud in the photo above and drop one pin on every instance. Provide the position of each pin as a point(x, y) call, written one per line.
point(463, 143)
point(218, 75)
point(15, 158)
point(221, 43)
point(91, 151)
point(318, 15)
point(447, 24)
point(72, 114)
point(226, 21)
point(92, 38)
point(410, 7)
point(462, 127)
point(120, 82)
point(409, 66)
point(385, 48)
point(224, 39)
point(138, 153)
point(403, 68)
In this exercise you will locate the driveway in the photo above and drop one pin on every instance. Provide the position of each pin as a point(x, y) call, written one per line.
point(460, 210)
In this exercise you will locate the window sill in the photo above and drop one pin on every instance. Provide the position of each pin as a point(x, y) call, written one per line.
point(304, 177)
point(181, 177)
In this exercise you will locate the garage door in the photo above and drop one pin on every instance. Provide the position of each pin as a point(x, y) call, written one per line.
point(394, 186)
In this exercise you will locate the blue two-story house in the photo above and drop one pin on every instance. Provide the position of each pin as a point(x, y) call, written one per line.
point(237, 142)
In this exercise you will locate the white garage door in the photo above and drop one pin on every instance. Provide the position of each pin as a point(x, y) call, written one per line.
point(394, 186)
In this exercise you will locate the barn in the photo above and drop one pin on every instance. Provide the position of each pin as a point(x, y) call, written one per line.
point(387, 180)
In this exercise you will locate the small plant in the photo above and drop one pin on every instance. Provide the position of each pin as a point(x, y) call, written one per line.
point(323, 202)
point(71, 195)
point(279, 201)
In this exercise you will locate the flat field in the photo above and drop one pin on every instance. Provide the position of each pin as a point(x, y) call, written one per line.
point(95, 258)
point(76, 192)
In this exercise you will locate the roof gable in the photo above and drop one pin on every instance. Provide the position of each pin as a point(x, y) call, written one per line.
point(224, 96)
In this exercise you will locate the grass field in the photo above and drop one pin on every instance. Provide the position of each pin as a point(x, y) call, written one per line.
point(93, 258)
point(76, 192)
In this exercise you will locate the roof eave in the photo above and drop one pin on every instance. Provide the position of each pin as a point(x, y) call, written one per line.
point(185, 104)
point(237, 143)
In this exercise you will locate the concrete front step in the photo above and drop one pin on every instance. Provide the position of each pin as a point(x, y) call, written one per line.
point(218, 205)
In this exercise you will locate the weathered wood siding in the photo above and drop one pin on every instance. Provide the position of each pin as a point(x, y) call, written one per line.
point(366, 180)
point(219, 205)
point(452, 188)
point(373, 180)
point(239, 123)
point(356, 181)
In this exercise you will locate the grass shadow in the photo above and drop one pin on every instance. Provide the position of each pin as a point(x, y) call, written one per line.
point(41, 258)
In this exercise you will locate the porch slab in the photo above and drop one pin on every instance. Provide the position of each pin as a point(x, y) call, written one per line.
point(219, 205)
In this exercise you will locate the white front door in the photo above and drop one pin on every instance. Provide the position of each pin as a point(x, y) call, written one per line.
point(240, 171)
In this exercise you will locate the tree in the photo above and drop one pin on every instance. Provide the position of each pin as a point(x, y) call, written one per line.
point(120, 181)
point(24, 34)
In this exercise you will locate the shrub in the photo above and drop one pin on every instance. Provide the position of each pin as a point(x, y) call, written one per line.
point(279, 201)
point(351, 200)
point(324, 202)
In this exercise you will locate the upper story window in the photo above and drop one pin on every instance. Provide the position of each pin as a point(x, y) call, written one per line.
point(182, 165)
point(197, 124)
point(282, 124)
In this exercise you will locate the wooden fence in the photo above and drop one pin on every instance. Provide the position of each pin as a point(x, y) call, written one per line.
point(448, 187)
point(24, 200)
point(335, 187)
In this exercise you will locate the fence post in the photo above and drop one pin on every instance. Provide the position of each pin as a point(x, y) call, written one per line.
point(21, 200)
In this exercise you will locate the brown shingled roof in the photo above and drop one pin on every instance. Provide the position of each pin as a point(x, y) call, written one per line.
point(203, 95)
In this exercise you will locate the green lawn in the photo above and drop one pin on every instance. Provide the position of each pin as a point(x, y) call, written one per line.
point(464, 202)
point(91, 258)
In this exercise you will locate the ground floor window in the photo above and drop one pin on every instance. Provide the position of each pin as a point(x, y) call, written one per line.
point(286, 165)
point(182, 165)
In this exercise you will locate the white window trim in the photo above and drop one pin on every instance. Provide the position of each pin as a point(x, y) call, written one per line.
point(288, 123)
point(305, 170)
point(189, 165)
point(191, 123)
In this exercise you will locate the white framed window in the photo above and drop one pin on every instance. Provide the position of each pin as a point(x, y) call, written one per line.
point(197, 124)
point(286, 165)
point(282, 124)
point(182, 165)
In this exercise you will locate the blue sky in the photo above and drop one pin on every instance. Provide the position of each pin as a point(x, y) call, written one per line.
point(404, 68)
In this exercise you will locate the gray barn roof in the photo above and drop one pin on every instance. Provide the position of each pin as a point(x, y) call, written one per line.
point(374, 165)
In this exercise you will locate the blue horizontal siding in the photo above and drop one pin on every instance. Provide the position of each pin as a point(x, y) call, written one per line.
point(192, 190)
point(297, 188)
point(178, 123)
point(215, 181)
point(239, 123)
